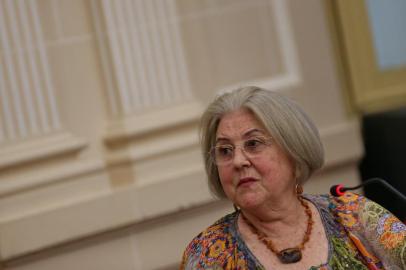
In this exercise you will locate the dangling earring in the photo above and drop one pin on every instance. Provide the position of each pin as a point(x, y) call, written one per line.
point(236, 207)
point(298, 189)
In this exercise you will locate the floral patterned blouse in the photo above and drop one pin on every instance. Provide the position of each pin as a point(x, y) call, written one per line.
point(361, 234)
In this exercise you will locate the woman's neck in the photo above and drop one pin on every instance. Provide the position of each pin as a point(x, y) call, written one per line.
point(276, 215)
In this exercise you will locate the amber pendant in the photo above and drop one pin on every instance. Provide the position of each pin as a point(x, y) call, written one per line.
point(290, 255)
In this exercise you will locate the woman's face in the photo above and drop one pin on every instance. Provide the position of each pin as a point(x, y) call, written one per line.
point(251, 180)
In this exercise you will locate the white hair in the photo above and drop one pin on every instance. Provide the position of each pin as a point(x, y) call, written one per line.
point(288, 124)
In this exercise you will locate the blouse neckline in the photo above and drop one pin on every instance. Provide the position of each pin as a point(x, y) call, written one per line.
point(247, 250)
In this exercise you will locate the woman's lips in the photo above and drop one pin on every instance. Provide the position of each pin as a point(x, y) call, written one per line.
point(246, 181)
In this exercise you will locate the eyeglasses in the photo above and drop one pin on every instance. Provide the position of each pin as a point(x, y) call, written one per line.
point(223, 154)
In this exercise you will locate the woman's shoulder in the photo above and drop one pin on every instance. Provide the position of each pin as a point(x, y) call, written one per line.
point(318, 199)
point(212, 246)
point(354, 211)
point(222, 226)
point(372, 224)
point(347, 203)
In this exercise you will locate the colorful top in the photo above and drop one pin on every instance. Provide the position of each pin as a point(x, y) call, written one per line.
point(361, 235)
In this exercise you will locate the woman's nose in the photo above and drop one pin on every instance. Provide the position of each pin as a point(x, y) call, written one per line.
point(240, 159)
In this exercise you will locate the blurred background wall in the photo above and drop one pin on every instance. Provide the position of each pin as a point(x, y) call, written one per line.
point(99, 102)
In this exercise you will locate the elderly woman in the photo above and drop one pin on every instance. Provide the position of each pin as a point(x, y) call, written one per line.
point(259, 148)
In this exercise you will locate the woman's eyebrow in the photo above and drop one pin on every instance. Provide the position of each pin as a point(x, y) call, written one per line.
point(253, 132)
point(222, 139)
point(247, 134)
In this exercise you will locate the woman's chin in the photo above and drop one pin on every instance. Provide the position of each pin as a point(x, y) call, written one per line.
point(249, 200)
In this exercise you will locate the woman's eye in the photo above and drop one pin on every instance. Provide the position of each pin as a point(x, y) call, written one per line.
point(224, 150)
point(253, 144)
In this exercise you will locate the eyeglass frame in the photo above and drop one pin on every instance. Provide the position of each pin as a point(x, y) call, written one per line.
point(265, 141)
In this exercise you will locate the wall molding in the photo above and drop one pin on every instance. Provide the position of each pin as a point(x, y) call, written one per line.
point(142, 55)
point(27, 97)
point(291, 76)
point(273, 83)
point(142, 124)
point(13, 185)
point(22, 235)
point(155, 147)
point(39, 148)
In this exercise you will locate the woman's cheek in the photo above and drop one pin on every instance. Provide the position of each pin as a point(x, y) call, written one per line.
point(226, 179)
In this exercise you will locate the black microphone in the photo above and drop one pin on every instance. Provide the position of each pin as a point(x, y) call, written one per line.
point(339, 190)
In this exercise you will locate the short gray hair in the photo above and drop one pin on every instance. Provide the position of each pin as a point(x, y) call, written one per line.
point(288, 124)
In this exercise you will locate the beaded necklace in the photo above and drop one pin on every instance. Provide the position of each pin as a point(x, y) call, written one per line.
point(288, 255)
